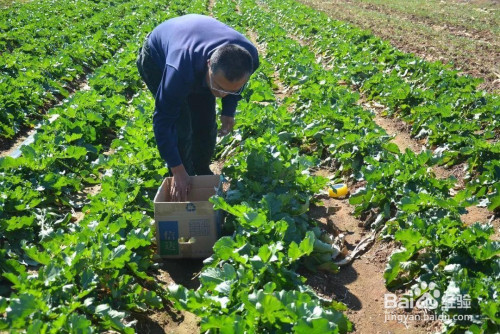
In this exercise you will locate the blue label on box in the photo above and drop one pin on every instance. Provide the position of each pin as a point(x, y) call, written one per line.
point(169, 237)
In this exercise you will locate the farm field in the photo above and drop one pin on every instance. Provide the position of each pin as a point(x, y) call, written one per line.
point(415, 141)
point(465, 33)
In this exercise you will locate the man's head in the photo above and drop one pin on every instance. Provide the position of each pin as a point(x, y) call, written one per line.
point(229, 69)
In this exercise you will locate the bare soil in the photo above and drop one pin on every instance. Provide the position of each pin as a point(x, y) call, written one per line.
point(395, 127)
point(210, 6)
point(183, 272)
point(360, 285)
point(8, 146)
point(8, 3)
point(481, 215)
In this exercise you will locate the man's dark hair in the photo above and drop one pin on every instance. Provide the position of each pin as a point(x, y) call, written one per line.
point(232, 60)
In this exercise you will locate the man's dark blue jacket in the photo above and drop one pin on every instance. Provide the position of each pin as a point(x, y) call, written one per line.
point(181, 47)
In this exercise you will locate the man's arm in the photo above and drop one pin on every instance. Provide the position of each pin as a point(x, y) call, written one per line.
point(173, 90)
point(168, 101)
point(229, 103)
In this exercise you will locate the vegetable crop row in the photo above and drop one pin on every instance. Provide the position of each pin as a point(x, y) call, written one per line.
point(439, 104)
point(399, 80)
point(30, 83)
point(34, 29)
point(90, 275)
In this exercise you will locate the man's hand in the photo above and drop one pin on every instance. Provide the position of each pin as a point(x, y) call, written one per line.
point(227, 125)
point(181, 184)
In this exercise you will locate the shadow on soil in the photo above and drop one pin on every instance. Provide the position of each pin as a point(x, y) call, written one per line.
point(148, 326)
point(183, 271)
point(334, 285)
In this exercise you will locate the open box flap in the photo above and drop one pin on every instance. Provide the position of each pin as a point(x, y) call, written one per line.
point(202, 188)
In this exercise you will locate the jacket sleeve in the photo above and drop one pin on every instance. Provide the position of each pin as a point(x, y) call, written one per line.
point(229, 103)
point(172, 92)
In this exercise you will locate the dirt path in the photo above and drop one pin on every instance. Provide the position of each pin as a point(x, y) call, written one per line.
point(210, 7)
point(360, 285)
point(8, 3)
point(183, 272)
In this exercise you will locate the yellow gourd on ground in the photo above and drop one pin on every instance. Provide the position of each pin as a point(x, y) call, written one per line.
point(338, 190)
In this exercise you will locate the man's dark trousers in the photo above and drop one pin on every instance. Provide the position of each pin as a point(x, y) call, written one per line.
point(196, 126)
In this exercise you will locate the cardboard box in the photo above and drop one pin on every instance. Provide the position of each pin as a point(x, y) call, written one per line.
point(188, 229)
